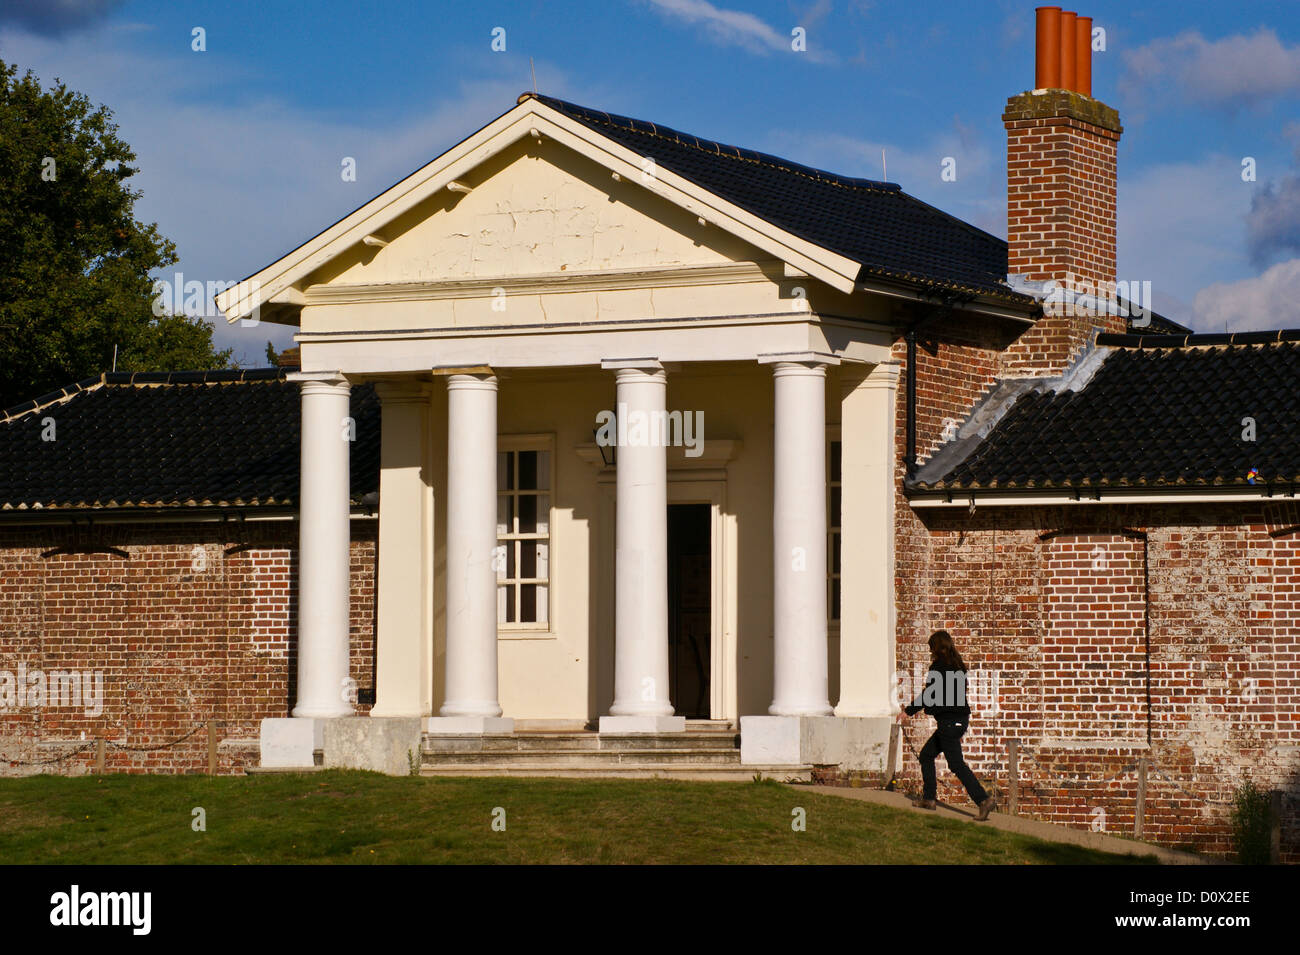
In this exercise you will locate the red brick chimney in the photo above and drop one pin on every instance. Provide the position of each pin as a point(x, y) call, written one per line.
point(1061, 178)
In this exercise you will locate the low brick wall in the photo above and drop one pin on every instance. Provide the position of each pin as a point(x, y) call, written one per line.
point(165, 627)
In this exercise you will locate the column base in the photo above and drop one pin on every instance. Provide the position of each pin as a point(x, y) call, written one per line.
point(847, 742)
point(291, 743)
point(468, 725)
point(629, 725)
point(382, 745)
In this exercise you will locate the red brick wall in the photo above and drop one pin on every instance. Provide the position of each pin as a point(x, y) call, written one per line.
point(185, 623)
point(1053, 601)
point(1093, 624)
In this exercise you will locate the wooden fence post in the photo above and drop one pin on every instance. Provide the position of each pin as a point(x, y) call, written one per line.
point(1013, 776)
point(212, 748)
point(100, 747)
point(1140, 812)
point(891, 766)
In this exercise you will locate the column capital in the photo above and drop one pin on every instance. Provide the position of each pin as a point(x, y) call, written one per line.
point(885, 374)
point(632, 364)
point(320, 382)
point(806, 358)
point(646, 376)
point(474, 382)
point(798, 369)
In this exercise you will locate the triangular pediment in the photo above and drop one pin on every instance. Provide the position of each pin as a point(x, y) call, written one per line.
point(534, 193)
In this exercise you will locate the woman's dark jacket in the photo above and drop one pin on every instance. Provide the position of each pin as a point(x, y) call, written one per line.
point(944, 695)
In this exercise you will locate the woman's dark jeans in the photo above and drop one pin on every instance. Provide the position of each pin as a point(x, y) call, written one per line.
point(947, 740)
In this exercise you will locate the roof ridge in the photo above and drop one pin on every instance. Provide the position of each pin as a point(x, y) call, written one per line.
point(210, 376)
point(1278, 336)
point(66, 393)
point(691, 141)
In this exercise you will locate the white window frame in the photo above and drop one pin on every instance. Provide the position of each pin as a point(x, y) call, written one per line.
point(516, 443)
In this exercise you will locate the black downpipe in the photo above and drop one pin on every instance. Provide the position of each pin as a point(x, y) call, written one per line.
point(910, 463)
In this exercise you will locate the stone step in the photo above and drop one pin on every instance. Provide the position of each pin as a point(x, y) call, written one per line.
point(739, 774)
point(591, 742)
point(584, 757)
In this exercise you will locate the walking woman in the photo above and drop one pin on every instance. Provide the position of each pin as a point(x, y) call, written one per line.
point(944, 698)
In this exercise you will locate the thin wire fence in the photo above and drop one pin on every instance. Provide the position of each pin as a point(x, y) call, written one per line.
point(102, 743)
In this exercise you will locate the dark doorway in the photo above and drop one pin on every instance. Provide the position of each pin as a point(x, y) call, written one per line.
point(690, 583)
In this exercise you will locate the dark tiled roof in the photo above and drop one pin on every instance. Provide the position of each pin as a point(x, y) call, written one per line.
point(170, 439)
point(1151, 416)
point(892, 235)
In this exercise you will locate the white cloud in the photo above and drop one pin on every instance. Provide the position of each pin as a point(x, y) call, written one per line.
point(1267, 301)
point(1238, 70)
point(737, 28)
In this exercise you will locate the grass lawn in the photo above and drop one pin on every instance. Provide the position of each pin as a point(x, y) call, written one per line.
point(353, 817)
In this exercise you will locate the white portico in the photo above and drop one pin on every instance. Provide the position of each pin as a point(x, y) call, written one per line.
point(499, 301)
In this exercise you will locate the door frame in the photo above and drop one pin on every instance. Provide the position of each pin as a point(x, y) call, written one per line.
point(684, 488)
point(686, 485)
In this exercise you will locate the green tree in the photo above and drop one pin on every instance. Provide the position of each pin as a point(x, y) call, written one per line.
point(74, 262)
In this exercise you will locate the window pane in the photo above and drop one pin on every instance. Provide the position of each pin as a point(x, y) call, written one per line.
point(835, 599)
point(543, 514)
point(836, 447)
point(512, 565)
point(505, 467)
point(501, 605)
point(543, 559)
point(532, 559)
point(835, 553)
point(544, 470)
point(835, 507)
point(503, 515)
point(499, 559)
point(527, 514)
point(527, 470)
point(528, 603)
point(542, 608)
point(511, 615)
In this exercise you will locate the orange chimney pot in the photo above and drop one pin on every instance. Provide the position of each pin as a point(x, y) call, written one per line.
point(1068, 48)
point(1083, 55)
point(1047, 67)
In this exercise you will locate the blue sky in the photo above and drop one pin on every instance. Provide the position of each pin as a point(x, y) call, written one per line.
point(240, 145)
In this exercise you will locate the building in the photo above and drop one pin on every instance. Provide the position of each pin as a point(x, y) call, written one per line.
point(670, 438)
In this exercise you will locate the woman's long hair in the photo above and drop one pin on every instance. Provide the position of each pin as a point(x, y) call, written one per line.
point(944, 651)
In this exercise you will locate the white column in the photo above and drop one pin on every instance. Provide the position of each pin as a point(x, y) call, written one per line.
point(323, 550)
point(404, 598)
point(641, 703)
point(799, 541)
point(471, 665)
point(867, 478)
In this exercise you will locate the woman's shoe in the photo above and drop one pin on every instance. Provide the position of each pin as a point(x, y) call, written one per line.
point(925, 804)
point(986, 807)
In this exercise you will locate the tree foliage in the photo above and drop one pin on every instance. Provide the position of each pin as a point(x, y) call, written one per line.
point(74, 262)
